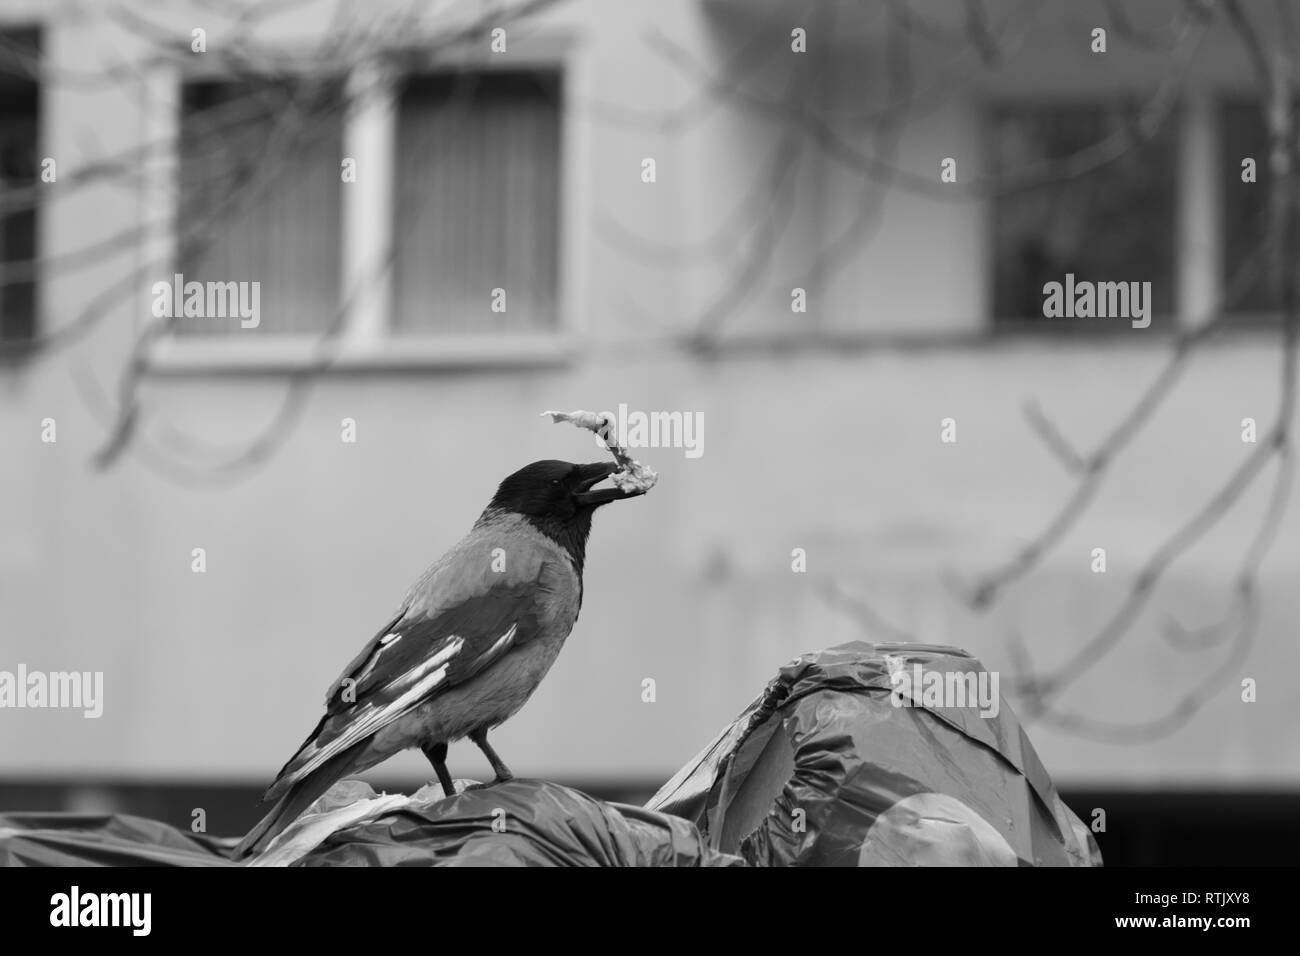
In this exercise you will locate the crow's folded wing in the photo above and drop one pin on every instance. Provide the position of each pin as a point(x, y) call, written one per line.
point(413, 660)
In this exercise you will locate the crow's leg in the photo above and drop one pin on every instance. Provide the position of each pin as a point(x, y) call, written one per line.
point(437, 754)
point(498, 765)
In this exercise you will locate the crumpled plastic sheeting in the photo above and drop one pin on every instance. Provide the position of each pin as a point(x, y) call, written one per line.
point(823, 769)
point(74, 839)
point(519, 823)
point(514, 823)
point(347, 803)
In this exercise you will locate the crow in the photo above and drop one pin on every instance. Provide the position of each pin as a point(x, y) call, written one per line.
point(467, 647)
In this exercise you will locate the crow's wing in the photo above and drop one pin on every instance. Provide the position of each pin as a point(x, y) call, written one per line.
point(415, 658)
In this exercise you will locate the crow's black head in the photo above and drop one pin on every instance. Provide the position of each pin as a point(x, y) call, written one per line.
point(556, 489)
point(556, 497)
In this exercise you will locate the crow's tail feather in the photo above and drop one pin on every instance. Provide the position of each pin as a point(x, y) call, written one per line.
point(297, 799)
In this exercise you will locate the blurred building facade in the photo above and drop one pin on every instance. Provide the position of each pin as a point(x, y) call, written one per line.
point(524, 171)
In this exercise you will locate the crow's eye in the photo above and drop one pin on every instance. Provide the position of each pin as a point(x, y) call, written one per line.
point(555, 481)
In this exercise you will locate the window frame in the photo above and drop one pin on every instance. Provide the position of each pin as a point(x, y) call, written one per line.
point(366, 340)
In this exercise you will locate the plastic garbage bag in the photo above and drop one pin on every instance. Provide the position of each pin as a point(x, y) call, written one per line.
point(519, 823)
point(848, 759)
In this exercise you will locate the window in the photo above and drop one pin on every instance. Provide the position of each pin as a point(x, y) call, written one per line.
point(19, 177)
point(422, 215)
point(476, 202)
point(260, 200)
point(1114, 223)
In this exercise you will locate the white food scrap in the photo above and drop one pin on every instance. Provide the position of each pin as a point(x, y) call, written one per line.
point(632, 475)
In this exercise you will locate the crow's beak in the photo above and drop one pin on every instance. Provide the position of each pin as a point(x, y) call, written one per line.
point(593, 475)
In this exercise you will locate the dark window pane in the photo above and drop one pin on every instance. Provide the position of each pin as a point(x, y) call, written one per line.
point(478, 161)
point(260, 198)
point(19, 172)
point(1114, 223)
point(1243, 133)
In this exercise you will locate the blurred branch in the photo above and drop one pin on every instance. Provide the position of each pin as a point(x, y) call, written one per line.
point(1276, 247)
point(1094, 465)
point(866, 616)
point(1160, 40)
point(822, 131)
point(980, 34)
point(1243, 610)
point(238, 182)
